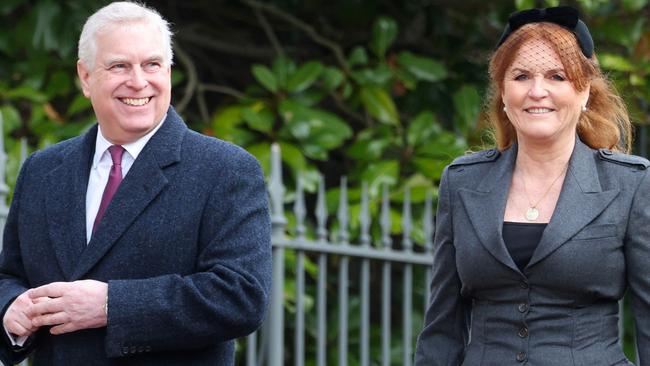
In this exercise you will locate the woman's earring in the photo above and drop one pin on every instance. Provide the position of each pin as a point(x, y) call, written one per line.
point(584, 108)
point(504, 108)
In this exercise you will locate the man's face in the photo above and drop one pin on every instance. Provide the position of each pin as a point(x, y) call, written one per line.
point(130, 85)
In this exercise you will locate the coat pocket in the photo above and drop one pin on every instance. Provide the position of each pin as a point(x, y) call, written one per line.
point(596, 232)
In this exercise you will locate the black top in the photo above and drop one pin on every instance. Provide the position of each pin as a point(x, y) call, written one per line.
point(521, 239)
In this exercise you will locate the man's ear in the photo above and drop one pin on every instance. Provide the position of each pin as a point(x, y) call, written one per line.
point(84, 76)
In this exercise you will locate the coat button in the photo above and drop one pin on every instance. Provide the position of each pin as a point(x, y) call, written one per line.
point(133, 349)
point(521, 356)
point(523, 307)
point(523, 332)
point(125, 350)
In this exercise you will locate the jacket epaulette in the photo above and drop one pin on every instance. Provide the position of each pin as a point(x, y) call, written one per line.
point(477, 157)
point(624, 159)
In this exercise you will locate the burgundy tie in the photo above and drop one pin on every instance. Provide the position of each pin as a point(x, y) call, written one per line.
point(114, 180)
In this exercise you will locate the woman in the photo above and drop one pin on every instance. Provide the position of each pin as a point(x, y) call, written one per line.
point(538, 239)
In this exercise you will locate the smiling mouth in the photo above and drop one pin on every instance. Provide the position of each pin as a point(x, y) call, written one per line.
point(137, 102)
point(538, 110)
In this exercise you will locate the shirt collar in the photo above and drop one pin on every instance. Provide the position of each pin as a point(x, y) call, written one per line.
point(133, 148)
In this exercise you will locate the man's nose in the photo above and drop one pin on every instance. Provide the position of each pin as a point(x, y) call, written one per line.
point(137, 78)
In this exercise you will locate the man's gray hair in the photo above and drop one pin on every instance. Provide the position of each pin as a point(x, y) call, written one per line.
point(120, 13)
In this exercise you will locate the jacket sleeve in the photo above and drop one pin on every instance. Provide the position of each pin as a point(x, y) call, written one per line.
point(446, 328)
point(13, 280)
point(637, 261)
point(225, 298)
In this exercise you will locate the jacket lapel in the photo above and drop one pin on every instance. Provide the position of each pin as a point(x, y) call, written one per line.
point(65, 205)
point(143, 183)
point(486, 206)
point(581, 201)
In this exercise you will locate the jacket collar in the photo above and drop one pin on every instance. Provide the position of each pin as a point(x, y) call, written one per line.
point(66, 204)
point(580, 201)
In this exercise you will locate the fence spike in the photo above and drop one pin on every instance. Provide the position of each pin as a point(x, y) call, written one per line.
point(299, 209)
point(364, 216)
point(407, 221)
point(385, 218)
point(344, 235)
point(321, 211)
point(276, 191)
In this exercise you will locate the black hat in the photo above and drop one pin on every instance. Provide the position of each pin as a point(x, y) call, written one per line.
point(565, 16)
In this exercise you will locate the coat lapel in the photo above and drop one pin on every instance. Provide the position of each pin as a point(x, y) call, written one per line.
point(65, 205)
point(143, 183)
point(581, 201)
point(486, 206)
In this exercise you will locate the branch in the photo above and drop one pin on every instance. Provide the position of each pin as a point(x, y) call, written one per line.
point(219, 45)
point(269, 31)
point(346, 110)
point(311, 32)
point(222, 89)
point(192, 78)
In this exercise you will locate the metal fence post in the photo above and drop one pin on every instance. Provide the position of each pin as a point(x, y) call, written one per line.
point(278, 223)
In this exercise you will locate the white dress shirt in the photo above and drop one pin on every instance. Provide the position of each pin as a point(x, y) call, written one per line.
point(101, 169)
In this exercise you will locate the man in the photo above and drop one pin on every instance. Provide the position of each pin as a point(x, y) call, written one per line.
point(139, 242)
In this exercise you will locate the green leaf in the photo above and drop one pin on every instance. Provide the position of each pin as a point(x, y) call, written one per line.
point(379, 104)
point(265, 77)
point(258, 117)
point(292, 155)
point(378, 76)
point(44, 36)
point(10, 118)
point(79, 104)
point(431, 168)
point(384, 32)
point(467, 104)
point(379, 173)
point(634, 5)
point(304, 77)
point(422, 128)
point(225, 122)
point(282, 68)
point(524, 4)
point(332, 78)
point(358, 56)
point(318, 130)
point(178, 76)
point(60, 84)
point(369, 146)
point(615, 62)
point(26, 92)
point(423, 68)
point(262, 152)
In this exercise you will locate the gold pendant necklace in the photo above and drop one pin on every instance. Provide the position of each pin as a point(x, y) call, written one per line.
point(532, 213)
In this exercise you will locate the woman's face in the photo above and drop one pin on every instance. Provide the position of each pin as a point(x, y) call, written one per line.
point(541, 103)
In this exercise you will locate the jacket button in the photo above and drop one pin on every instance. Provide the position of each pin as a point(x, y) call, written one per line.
point(523, 332)
point(523, 307)
point(147, 348)
point(607, 152)
point(523, 285)
point(133, 349)
point(521, 356)
point(125, 350)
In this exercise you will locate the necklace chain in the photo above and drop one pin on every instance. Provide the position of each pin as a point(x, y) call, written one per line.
point(532, 213)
